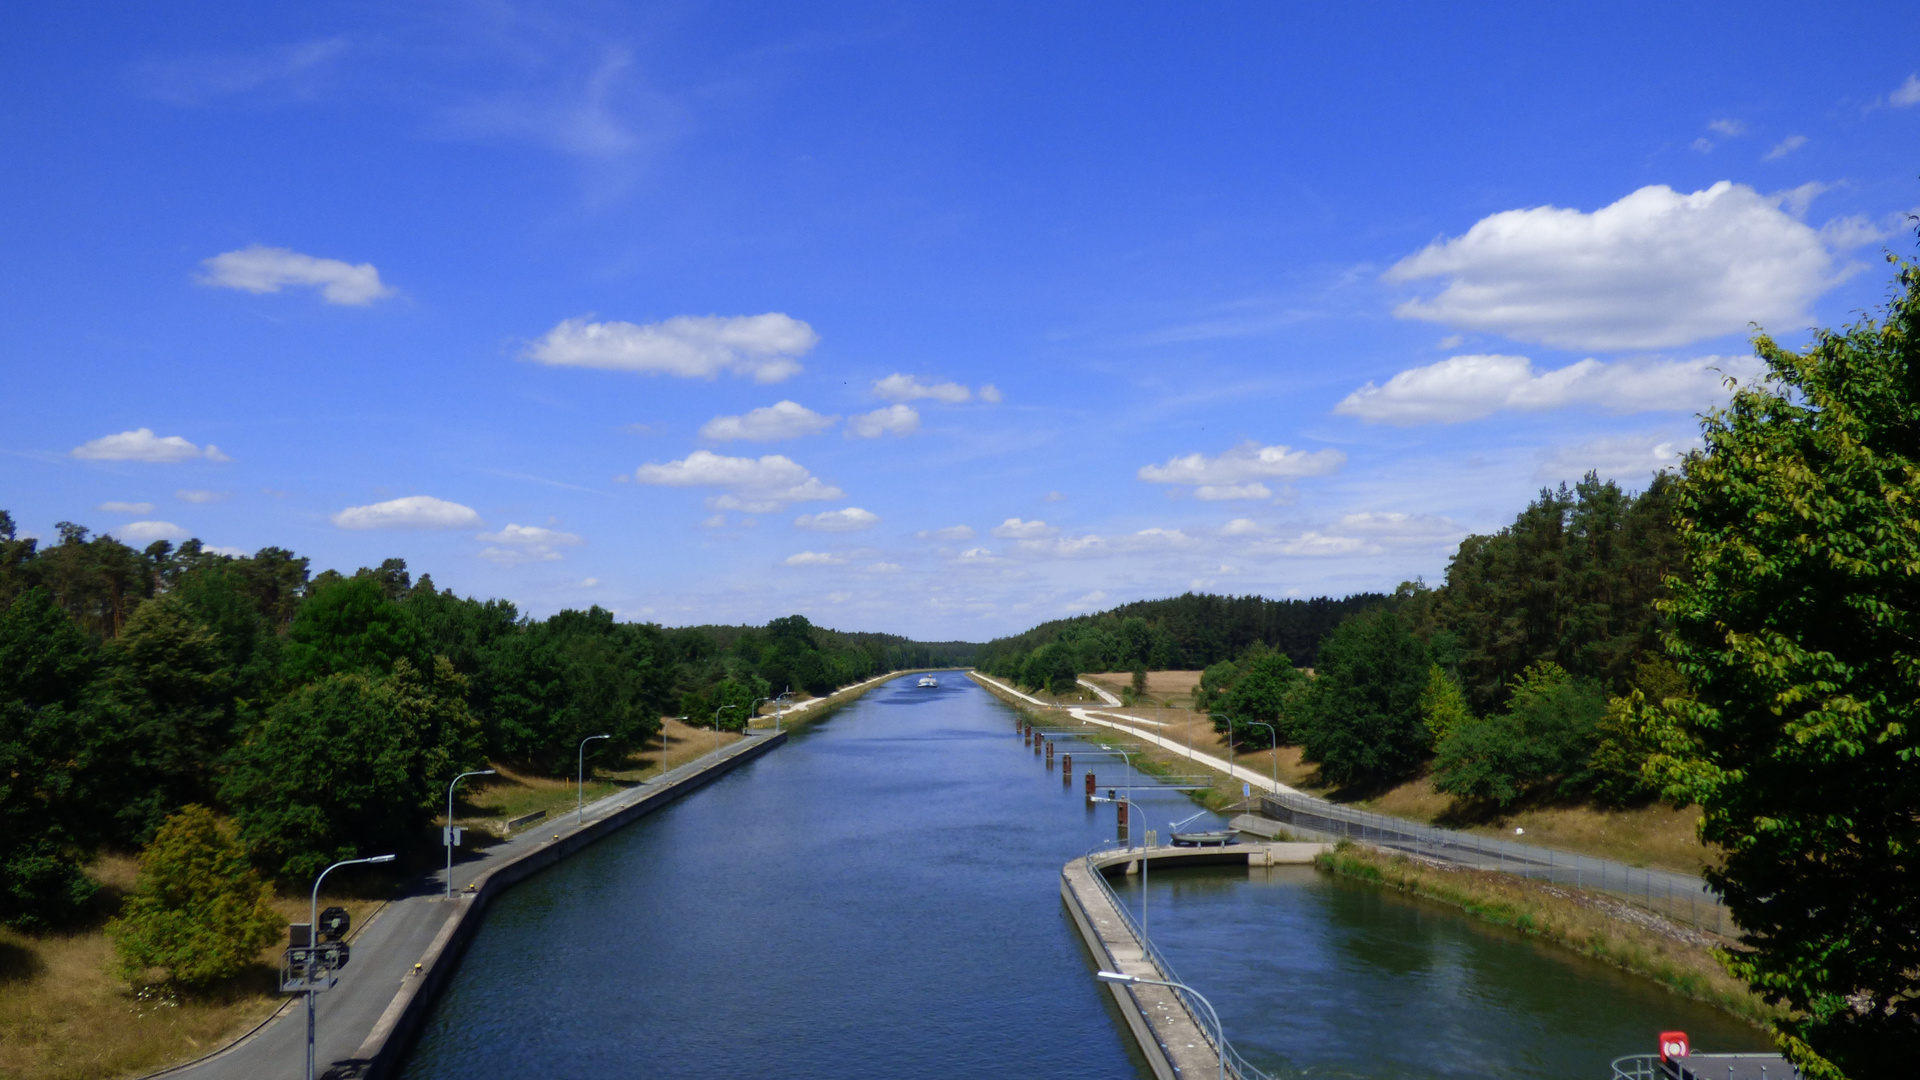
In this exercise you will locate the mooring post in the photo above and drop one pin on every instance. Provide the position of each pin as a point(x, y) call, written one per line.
point(1037, 740)
point(1089, 783)
point(1049, 754)
point(1066, 769)
point(1121, 819)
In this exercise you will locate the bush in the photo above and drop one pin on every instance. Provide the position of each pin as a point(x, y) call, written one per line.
point(198, 910)
point(1547, 734)
point(1266, 692)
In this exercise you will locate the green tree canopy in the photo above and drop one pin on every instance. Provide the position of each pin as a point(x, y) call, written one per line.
point(198, 909)
point(1362, 720)
point(352, 625)
point(1798, 626)
point(1267, 692)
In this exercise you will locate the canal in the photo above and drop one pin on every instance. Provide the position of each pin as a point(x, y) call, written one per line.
point(880, 897)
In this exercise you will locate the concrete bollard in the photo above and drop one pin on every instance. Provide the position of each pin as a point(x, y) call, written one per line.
point(1090, 789)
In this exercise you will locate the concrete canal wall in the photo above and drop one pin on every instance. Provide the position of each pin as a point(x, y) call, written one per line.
point(1175, 1042)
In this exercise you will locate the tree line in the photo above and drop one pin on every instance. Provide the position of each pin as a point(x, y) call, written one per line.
point(321, 714)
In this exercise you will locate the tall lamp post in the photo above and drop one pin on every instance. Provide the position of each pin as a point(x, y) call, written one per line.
point(580, 779)
point(1219, 1037)
point(716, 725)
point(313, 920)
point(449, 837)
point(1133, 809)
point(1276, 751)
point(753, 710)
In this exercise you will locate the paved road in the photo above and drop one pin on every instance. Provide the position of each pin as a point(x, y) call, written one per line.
point(385, 951)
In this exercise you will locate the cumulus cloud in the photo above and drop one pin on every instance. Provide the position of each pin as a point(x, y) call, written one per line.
point(765, 347)
point(1653, 270)
point(756, 486)
point(141, 444)
point(1631, 458)
point(814, 558)
point(260, 269)
point(1241, 527)
point(897, 419)
point(1729, 127)
point(883, 568)
point(1158, 539)
point(1470, 387)
point(850, 519)
point(1400, 529)
point(151, 530)
point(1015, 529)
point(1087, 602)
point(412, 512)
point(781, 420)
point(991, 394)
point(195, 496)
point(1236, 474)
point(125, 507)
point(1785, 146)
point(526, 543)
point(899, 387)
point(1313, 545)
point(951, 532)
point(1907, 93)
point(977, 556)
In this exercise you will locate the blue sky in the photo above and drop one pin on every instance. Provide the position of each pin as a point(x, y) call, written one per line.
point(933, 319)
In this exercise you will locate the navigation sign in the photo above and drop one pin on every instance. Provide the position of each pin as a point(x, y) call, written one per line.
point(299, 935)
point(334, 923)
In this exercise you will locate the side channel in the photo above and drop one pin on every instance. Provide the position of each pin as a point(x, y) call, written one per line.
point(882, 897)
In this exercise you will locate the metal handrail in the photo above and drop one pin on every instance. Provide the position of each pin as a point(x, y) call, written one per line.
point(1237, 1065)
point(1640, 1067)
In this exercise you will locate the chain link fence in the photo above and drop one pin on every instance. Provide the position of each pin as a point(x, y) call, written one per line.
point(1680, 898)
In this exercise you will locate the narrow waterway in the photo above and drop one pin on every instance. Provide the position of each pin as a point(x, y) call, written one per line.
point(880, 897)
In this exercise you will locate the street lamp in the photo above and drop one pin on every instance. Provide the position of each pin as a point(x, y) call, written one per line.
point(313, 921)
point(1276, 751)
point(1219, 1037)
point(753, 710)
point(449, 836)
point(716, 725)
point(1145, 862)
point(580, 779)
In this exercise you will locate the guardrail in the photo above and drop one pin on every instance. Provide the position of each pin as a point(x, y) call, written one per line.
point(1679, 897)
point(1237, 1066)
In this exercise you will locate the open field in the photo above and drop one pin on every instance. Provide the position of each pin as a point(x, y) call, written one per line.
point(1173, 688)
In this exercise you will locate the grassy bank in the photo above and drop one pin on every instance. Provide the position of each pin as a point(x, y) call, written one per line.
point(1682, 960)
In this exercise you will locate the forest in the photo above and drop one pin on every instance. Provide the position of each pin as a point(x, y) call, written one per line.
point(322, 713)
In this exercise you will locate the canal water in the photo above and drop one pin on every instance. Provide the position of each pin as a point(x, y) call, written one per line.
point(880, 897)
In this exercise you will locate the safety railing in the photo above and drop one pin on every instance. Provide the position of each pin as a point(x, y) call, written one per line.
point(1237, 1066)
point(1681, 898)
point(1640, 1067)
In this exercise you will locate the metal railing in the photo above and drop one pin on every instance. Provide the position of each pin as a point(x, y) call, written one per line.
point(1640, 1067)
point(1681, 898)
point(1236, 1065)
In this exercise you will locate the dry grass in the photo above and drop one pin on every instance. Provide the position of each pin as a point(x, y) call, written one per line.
point(490, 802)
point(1681, 960)
point(64, 1016)
point(1173, 688)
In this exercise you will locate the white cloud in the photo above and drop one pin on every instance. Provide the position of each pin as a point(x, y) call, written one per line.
point(1395, 528)
point(990, 394)
point(1157, 539)
point(141, 444)
point(260, 269)
point(717, 521)
point(151, 530)
point(1729, 128)
point(126, 507)
point(229, 552)
point(1241, 527)
point(412, 512)
point(1054, 496)
point(814, 558)
point(899, 387)
point(690, 346)
point(526, 543)
point(1630, 458)
point(781, 420)
point(1907, 93)
point(1015, 529)
point(1702, 145)
point(756, 486)
point(951, 532)
point(883, 568)
point(898, 419)
point(1785, 146)
point(194, 496)
point(848, 520)
point(1230, 492)
point(1088, 602)
point(1066, 546)
point(1470, 387)
point(1653, 270)
point(1236, 473)
point(1313, 545)
point(978, 555)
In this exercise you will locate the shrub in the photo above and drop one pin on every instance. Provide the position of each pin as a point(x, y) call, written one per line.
point(198, 909)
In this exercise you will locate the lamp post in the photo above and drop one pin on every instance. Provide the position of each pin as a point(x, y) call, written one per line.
point(1219, 1037)
point(313, 919)
point(449, 836)
point(580, 779)
point(716, 725)
point(1276, 751)
point(753, 710)
point(1144, 861)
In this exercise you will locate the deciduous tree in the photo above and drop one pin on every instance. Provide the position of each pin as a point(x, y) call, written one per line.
point(198, 909)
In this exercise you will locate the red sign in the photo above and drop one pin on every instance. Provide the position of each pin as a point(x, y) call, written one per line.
point(1673, 1044)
